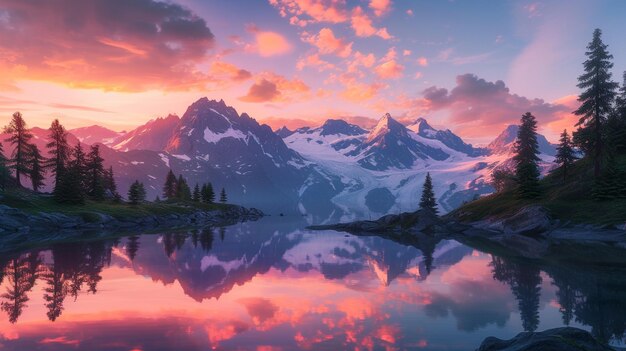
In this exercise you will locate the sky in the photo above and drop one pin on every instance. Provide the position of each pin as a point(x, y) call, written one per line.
point(469, 66)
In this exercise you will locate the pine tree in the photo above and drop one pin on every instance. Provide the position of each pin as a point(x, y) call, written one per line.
point(37, 170)
point(58, 149)
point(136, 193)
point(19, 137)
point(94, 169)
point(427, 201)
point(208, 195)
point(183, 192)
point(596, 100)
point(157, 199)
point(70, 188)
point(4, 172)
point(170, 187)
point(617, 122)
point(223, 197)
point(526, 157)
point(110, 186)
point(196, 193)
point(565, 156)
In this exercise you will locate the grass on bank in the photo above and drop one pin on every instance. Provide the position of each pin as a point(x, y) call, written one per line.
point(34, 203)
point(568, 200)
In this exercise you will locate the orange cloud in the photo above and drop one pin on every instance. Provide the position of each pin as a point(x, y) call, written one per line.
point(271, 44)
point(105, 52)
point(328, 43)
point(314, 60)
point(358, 92)
point(274, 87)
point(362, 25)
point(380, 7)
point(229, 71)
point(389, 70)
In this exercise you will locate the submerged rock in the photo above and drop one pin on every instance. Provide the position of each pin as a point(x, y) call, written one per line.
point(558, 339)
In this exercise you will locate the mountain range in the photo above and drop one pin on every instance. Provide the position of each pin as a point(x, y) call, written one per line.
point(337, 170)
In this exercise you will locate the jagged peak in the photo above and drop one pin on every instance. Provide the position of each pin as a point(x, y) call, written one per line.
point(385, 125)
point(339, 126)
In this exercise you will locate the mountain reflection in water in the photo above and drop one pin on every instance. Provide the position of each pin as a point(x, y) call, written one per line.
point(270, 285)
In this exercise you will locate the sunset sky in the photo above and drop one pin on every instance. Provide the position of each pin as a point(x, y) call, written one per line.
point(470, 66)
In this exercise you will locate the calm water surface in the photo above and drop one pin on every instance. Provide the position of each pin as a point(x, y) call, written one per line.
point(271, 285)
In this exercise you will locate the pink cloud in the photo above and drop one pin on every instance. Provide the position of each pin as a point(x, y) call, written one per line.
point(409, 12)
point(273, 87)
point(488, 105)
point(406, 53)
point(268, 43)
point(363, 27)
point(147, 44)
point(314, 60)
point(422, 61)
point(380, 7)
point(389, 70)
point(357, 92)
point(229, 71)
point(328, 43)
point(332, 11)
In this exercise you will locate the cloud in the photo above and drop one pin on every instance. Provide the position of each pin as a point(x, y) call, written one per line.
point(357, 92)
point(261, 91)
point(363, 27)
point(260, 309)
point(229, 71)
point(448, 55)
point(389, 70)
point(328, 43)
point(332, 11)
point(487, 105)
point(111, 45)
point(314, 60)
point(273, 87)
point(422, 61)
point(409, 12)
point(269, 44)
point(361, 60)
point(380, 7)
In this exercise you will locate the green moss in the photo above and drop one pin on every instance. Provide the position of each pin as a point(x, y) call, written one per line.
point(568, 200)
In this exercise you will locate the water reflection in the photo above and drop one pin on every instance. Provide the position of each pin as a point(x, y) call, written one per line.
point(270, 284)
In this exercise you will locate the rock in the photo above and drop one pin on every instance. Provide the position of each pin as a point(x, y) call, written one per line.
point(558, 339)
point(530, 220)
point(413, 222)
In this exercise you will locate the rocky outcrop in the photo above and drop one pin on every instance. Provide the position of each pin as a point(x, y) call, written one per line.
point(558, 339)
point(407, 222)
point(530, 220)
point(13, 220)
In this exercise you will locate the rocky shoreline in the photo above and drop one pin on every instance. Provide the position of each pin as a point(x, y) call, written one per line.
point(20, 228)
point(530, 233)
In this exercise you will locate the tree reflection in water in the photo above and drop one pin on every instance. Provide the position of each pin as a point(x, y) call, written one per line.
point(595, 297)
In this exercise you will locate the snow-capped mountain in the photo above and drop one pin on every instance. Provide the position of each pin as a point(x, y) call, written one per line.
point(383, 170)
point(505, 142)
point(211, 142)
point(447, 137)
point(153, 135)
point(96, 134)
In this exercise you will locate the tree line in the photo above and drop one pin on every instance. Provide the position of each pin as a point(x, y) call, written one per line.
point(76, 174)
point(600, 136)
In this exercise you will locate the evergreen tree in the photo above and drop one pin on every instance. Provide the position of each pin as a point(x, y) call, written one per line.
point(196, 193)
point(94, 169)
point(526, 157)
point(132, 246)
point(136, 193)
point(19, 137)
point(4, 171)
point(110, 186)
point(565, 154)
point(37, 170)
point(171, 186)
point(59, 152)
point(427, 201)
point(503, 180)
point(183, 192)
point(157, 199)
point(596, 99)
point(617, 122)
point(208, 195)
point(70, 187)
point(223, 197)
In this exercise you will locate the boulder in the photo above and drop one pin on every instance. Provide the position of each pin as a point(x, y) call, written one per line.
point(558, 339)
point(530, 220)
